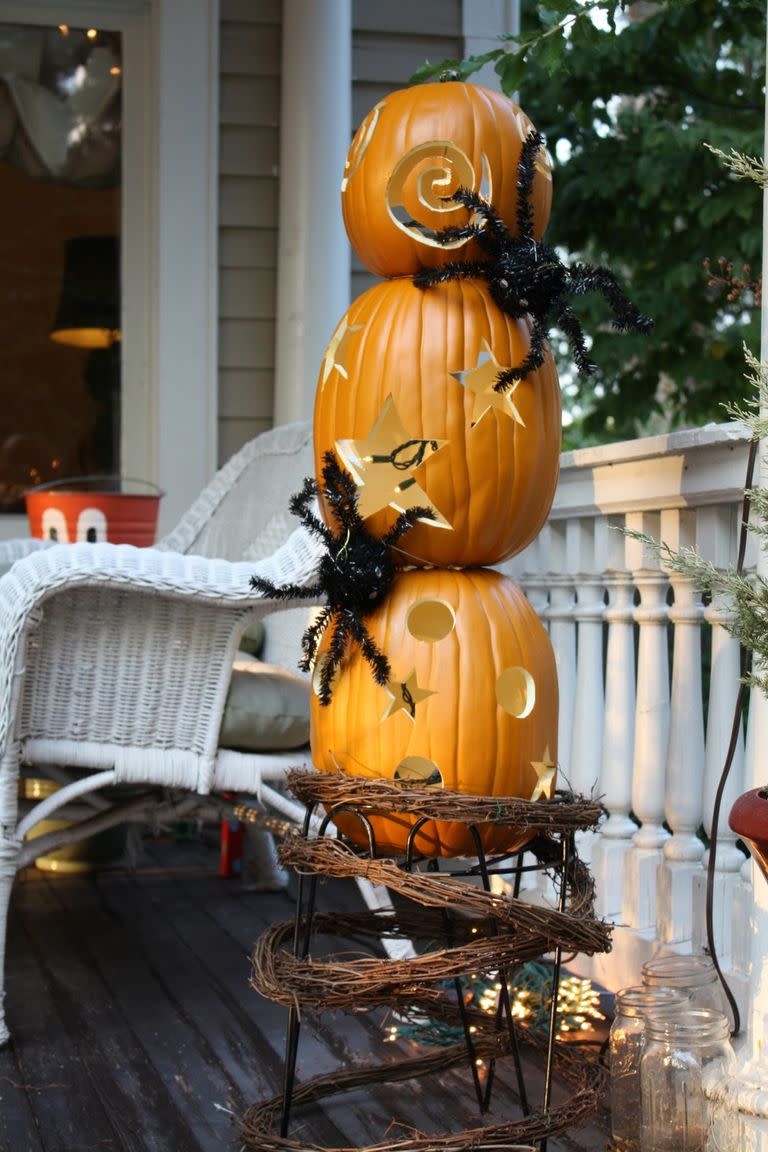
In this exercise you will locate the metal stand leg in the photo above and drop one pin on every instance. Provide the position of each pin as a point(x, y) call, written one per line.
point(301, 942)
point(505, 1006)
point(434, 866)
point(566, 845)
point(305, 911)
point(300, 948)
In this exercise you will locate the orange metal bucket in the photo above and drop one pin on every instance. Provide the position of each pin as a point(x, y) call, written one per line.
point(95, 509)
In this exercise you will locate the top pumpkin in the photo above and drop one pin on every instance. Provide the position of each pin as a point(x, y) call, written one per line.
point(413, 150)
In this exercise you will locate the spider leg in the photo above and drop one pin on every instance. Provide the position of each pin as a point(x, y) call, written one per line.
point(311, 638)
point(341, 493)
point(526, 170)
point(458, 270)
point(626, 315)
point(300, 507)
point(334, 655)
point(285, 591)
point(377, 660)
point(460, 232)
point(537, 351)
point(494, 231)
point(404, 521)
point(570, 325)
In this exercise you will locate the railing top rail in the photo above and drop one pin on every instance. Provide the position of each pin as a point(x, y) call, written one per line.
point(693, 468)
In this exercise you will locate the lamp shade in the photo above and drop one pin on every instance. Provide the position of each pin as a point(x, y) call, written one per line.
point(89, 305)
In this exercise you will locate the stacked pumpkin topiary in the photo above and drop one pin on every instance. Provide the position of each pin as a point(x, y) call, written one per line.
point(406, 402)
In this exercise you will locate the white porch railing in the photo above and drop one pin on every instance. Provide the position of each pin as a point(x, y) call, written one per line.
point(628, 639)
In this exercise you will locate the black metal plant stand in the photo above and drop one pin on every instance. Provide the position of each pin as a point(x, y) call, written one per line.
point(508, 865)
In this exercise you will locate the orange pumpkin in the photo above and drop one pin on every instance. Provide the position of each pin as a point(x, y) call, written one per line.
point(413, 150)
point(405, 398)
point(473, 701)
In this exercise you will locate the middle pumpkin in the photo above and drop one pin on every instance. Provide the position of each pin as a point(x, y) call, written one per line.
point(405, 399)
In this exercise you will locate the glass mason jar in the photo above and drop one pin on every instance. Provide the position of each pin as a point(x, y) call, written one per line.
point(626, 1043)
point(696, 976)
point(684, 1077)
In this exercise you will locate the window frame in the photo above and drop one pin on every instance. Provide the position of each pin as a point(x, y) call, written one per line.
point(169, 210)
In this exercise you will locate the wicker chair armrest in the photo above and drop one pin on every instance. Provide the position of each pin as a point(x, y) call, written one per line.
point(21, 546)
point(89, 604)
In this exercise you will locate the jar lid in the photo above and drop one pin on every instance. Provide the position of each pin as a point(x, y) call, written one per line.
point(685, 971)
point(642, 999)
point(687, 1026)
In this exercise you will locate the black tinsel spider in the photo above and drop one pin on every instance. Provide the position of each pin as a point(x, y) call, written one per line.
point(526, 277)
point(355, 574)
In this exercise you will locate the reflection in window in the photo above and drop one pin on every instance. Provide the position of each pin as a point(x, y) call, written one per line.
point(60, 140)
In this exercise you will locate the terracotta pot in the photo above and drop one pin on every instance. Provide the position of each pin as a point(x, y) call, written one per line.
point(749, 820)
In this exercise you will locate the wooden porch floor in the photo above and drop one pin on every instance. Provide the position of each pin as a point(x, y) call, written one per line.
point(135, 1028)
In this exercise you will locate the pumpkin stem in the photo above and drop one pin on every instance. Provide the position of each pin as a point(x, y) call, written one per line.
point(450, 74)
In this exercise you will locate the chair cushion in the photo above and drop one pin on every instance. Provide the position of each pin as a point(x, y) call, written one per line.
point(267, 708)
point(252, 640)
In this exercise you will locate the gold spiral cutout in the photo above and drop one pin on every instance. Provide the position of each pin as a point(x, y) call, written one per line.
point(439, 168)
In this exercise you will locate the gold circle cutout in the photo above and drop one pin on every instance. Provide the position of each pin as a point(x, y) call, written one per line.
point(430, 619)
point(516, 692)
point(419, 770)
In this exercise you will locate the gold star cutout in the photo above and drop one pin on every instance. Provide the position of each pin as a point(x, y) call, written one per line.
point(405, 696)
point(480, 381)
point(383, 465)
point(545, 771)
point(337, 350)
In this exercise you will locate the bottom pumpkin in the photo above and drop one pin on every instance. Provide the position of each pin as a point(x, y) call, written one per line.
point(471, 706)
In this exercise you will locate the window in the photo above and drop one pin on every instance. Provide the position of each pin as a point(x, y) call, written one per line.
point(60, 177)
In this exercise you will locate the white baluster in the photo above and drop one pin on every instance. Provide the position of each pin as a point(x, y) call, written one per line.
point(562, 633)
point(533, 574)
point(530, 570)
point(615, 839)
point(717, 541)
point(685, 750)
point(587, 734)
point(651, 728)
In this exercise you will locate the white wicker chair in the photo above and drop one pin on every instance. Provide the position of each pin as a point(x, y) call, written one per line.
point(118, 659)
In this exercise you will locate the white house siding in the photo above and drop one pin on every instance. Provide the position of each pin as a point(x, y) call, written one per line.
point(248, 179)
point(389, 42)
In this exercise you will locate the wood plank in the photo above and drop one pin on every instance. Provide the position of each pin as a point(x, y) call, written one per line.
point(246, 394)
point(252, 100)
point(238, 1047)
point(394, 59)
point(180, 1058)
point(248, 201)
point(433, 17)
point(366, 94)
point(361, 281)
point(253, 11)
point(247, 293)
point(248, 151)
point(247, 247)
point(233, 434)
point(417, 1105)
point(197, 909)
point(249, 50)
point(246, 344)
point(84, 1094)
point(79, 948)
point(18, 1132)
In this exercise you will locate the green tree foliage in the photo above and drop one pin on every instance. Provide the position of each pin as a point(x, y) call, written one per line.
point(627, 112)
